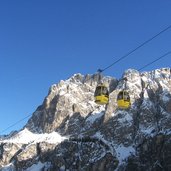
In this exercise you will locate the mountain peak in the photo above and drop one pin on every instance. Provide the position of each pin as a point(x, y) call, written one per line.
point(96, 137)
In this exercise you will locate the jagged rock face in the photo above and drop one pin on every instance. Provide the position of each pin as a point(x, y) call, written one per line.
point(86, 156)
point(7, 152)
point(67, 102)
point(152, 154)
point(100, 137)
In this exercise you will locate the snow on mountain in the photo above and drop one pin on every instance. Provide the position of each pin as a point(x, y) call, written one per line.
point(8, 167)
point(38, 167)
point(124, 152)
point(26, 137)
point(69, 131)
point(98, 113)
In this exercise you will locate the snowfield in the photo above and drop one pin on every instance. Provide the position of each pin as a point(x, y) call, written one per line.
point(27, 137)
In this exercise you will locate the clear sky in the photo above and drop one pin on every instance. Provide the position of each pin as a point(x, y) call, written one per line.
point(43, 42)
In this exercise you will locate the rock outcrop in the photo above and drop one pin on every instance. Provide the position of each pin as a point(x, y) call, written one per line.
point(94, 137)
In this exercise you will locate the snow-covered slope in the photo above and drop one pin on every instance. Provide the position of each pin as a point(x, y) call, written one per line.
point(70, 132)
point(27, 137)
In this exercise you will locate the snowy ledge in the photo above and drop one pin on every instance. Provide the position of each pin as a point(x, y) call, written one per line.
point(26, 137)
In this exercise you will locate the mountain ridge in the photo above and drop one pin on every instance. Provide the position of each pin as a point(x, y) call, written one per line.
point(93, 137)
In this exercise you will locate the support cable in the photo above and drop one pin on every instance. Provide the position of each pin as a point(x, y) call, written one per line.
point(117, 61)
point(138, 47)
point(157, 59)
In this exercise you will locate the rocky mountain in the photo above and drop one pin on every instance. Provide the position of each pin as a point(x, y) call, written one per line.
point(70, 132)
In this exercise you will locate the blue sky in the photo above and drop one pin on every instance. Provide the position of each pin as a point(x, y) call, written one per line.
point(42, 42)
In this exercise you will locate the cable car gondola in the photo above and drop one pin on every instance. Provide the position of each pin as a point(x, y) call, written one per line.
point(101, 94)
point(123, 100)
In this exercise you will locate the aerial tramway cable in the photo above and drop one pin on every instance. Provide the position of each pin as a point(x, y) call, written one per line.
point(101, 97)
point(133, 50)
point(157, 59)
point(117, 61)
point(15, 123)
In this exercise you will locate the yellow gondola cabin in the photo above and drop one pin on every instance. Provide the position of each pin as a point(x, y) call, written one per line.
point(123, 100)
point(101, 94)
